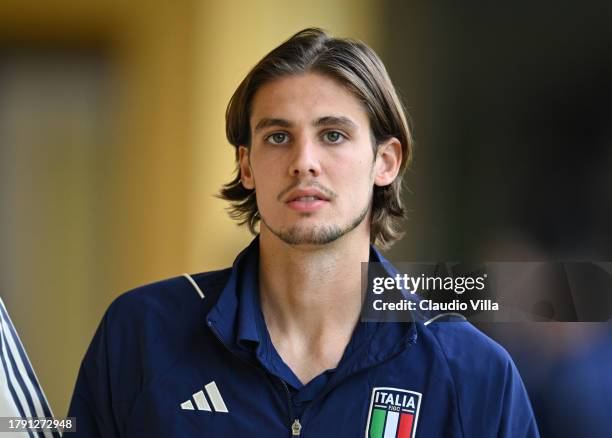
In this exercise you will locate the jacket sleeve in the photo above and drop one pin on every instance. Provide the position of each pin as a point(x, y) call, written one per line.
point(91, 402)
point(490, 395)
point(516, 418)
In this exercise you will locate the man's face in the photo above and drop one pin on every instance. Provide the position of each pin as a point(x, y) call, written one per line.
point(311, 160)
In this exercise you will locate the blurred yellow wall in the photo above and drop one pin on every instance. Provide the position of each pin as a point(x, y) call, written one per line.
point(174, 66)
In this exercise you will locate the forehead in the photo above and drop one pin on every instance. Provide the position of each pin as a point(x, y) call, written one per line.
point(304, 98)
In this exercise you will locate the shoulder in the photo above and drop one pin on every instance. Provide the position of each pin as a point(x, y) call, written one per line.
point(467, 349)
point(161, 318)
point(173, 299)
point(475, 362)
point(173, 290)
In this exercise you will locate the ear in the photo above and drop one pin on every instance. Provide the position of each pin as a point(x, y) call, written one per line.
point(246, 173)
point(388, 162)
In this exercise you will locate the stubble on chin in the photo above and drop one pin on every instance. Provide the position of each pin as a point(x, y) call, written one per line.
point(316, 235)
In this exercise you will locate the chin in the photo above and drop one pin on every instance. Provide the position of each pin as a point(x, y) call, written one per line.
point(308, 235)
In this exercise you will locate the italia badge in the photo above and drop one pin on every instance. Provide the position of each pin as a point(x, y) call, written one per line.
point(393, 413)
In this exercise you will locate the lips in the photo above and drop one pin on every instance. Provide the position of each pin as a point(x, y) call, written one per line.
point(306, 200)
point(308, 195)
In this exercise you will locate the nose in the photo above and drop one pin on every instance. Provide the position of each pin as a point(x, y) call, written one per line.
point(305, 160)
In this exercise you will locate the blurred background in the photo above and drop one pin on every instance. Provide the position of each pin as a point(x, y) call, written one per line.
point(112, 147)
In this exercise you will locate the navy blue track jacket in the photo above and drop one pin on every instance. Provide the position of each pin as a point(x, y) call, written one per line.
point(191, 357)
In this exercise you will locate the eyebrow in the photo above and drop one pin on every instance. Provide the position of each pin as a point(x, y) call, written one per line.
point(336, 121)
point(268, 122)
point(342, 121)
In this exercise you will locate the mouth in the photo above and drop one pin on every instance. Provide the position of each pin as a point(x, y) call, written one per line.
point(307, 200)
point(310, 194)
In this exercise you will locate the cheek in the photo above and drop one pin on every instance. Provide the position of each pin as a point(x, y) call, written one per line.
point(268, 182)
point(260, 169)
point(265, 163)
point(355, 183)
point(360, 172)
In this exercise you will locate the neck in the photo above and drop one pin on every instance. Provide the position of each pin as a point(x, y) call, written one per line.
point(309, 293)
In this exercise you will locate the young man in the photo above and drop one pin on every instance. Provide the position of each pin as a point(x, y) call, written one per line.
point(273, 346)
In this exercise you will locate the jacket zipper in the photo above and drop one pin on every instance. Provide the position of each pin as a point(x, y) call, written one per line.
point(296, 427)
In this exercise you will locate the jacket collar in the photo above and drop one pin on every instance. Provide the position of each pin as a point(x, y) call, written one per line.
point(237, 319)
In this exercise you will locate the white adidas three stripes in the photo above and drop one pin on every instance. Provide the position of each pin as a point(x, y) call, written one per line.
point(218, 405)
